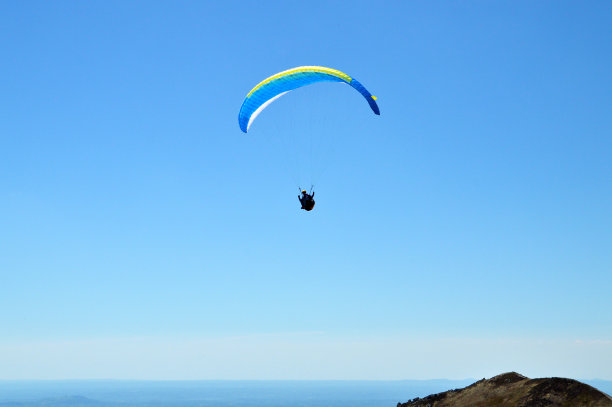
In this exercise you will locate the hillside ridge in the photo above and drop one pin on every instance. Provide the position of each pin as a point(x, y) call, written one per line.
point(512, 389)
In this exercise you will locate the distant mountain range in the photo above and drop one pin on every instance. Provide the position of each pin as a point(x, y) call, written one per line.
point(67, 401)
point(515, 390)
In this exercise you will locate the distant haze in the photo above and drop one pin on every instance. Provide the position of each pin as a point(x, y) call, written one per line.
point(300, 356)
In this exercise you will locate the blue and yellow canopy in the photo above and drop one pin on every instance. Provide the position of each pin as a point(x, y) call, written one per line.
point(277, 85)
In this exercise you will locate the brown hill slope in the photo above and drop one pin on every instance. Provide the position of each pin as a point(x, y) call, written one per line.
point(515, 390)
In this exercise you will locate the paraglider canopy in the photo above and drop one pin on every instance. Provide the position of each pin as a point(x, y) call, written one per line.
point(270, 89)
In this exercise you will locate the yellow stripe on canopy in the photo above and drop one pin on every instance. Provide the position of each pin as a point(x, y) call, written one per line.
point(321, 69)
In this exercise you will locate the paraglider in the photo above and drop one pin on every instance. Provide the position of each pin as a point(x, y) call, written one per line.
point(272, 88)
point(307, 200)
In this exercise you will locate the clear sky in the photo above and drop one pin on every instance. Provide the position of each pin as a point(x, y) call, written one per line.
point(465, 232)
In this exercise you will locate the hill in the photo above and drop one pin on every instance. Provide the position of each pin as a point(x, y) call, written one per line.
point(515, 390)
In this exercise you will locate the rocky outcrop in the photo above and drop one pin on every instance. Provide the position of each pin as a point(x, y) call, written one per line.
point(515, 390)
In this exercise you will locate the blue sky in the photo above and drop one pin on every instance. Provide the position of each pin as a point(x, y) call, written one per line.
point(464, 232)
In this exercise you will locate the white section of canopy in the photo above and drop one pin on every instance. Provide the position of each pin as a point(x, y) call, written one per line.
point(261, 108)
